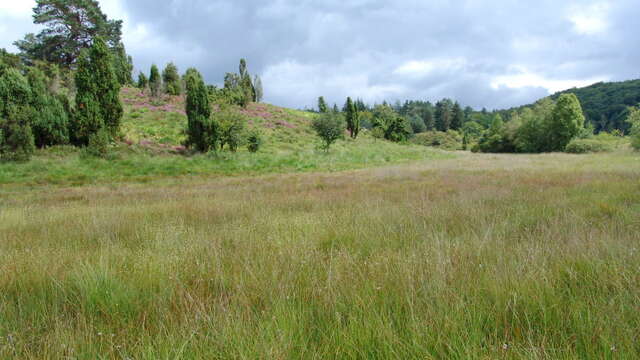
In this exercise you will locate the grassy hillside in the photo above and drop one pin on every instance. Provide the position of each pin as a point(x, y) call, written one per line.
point(152, 148)
point(478, 257)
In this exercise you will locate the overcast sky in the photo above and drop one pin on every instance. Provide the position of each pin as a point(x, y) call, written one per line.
point(483, 53)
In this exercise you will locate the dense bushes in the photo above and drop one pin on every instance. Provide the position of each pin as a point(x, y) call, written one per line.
point(634, 120)
point(583, 146)
point(389, 124)
point(329, 127)
point(16, 138)
point(450, 140)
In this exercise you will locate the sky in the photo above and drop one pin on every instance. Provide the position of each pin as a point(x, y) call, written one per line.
point(482, 53)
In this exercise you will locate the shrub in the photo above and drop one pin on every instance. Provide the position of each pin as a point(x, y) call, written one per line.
point(450, 140)
point(583, 146)
point(330, 127)
point(417, 124)
point(16, 138)
point(231, 125)
point(171, 80)
point(202, 132)
point(155, 82)
point(634, 120)
point(394, 127)
point(50, 123)
point(98, 144)
point(254, 141)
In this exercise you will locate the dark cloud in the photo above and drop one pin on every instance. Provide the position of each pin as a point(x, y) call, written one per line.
point(493, 54)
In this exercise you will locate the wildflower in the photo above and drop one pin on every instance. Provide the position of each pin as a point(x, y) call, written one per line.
point(505, 346)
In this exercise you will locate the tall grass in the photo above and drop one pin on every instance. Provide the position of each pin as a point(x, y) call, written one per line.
point(484, 256)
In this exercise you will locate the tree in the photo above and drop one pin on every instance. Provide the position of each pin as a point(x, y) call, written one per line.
point(71, 25)
point(171, 80)
point(202, 134)
point(352, 118)
point(443, 115)
point(155, 82)
point(246, 84)
point(231, 128)
point(330, 127)
point(322, 105)
point(143, 81)
point(429, 120)
point(492, 140)
point(257, 83)
point(122, 65)
point(50, 123)
point(417, 124)
point(634, 120)
point(457, 117)
point(393, 126)
point(98, 95)
point(566, 122)
point(16, 138)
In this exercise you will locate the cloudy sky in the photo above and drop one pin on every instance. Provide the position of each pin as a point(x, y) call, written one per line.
point(484, 53)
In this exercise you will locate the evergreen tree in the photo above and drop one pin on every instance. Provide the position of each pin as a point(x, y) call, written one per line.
point(122, 65)
point(143, 81)
point(50, 123)
point(71, 25)
point(429, 120)
point(352, 118)
point(155, 82)
point(246, 84)
point(257, 83)
point(171, 80)
point(97, 101)
point(443, 115)
point(16, 138)
point(457, 117)
point(202, 134)
point(567, 121)
point(322, 105)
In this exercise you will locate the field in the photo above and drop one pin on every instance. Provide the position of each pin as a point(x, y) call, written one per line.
point(472, 257)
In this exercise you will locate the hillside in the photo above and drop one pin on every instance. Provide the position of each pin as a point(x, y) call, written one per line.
point(152, 149)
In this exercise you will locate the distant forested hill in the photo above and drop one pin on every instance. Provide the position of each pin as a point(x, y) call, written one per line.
point(606, 105)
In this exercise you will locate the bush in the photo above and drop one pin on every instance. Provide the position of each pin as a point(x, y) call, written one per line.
point(634, 120)
point(231, 127)
point(98, 144)
point(202, 132)
point(254, 141)
point(450, 140)
point(330, 127)
point(583, 146)
point(417, 125)
point(16, 137)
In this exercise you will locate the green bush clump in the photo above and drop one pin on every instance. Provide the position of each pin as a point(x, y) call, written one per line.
point(450, 140)
point(584, 146)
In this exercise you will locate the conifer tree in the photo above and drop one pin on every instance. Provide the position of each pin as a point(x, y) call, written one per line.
point(16, 138)
point(201, 131)
point(143, 81)
point(322, 105)
point(257, 84)
point(246, 84)
point(171, 80)
point(50, 123)
point(97, 101)
point(351, 116)
point(155, 82)
point(457, 117)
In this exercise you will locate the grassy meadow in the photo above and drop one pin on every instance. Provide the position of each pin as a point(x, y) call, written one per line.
point(472, 257)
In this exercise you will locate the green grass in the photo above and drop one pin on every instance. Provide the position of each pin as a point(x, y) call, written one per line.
point(477, 257)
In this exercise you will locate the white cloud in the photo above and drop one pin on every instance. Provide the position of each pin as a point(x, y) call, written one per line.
point(16, 8)
point(421, 68)
point(590, 20)
point(523, 78)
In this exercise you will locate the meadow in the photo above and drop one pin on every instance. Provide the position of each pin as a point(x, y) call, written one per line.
point(468, 256)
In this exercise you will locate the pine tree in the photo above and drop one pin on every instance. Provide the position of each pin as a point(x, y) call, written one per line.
point(352, 118)
point(322, 105)
point(122, 65)
point(443, 115)
point(457, 117)
point(201, 131)
point(171, 80)
point(88, 119)
point(16, 138)
point(246, 84)
point(155, 82)
point(429, 121)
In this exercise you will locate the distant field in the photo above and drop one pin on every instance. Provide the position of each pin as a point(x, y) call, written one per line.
point(471, 257)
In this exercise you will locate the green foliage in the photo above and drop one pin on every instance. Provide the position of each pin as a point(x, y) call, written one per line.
point(16, 138)
point(71, 25)
point(257, 84)
point(231, 127)
point(155, 82)
point(171, 80)
point(352, 118)
point(394, 127)
point(122, 65)
point(583, 146)
point(567, 121)
point(417, 124)
point(634, 120)
point(457, 117)
point(330, 127)
point(472, 131)
point(143, 81)
point(98, 145)
point(50, 123)
point(450, 140)
point(443, 115)
point(254, 141)
point(494, 139)
point(202, 132)
point(322, 105)
point(98, 95)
